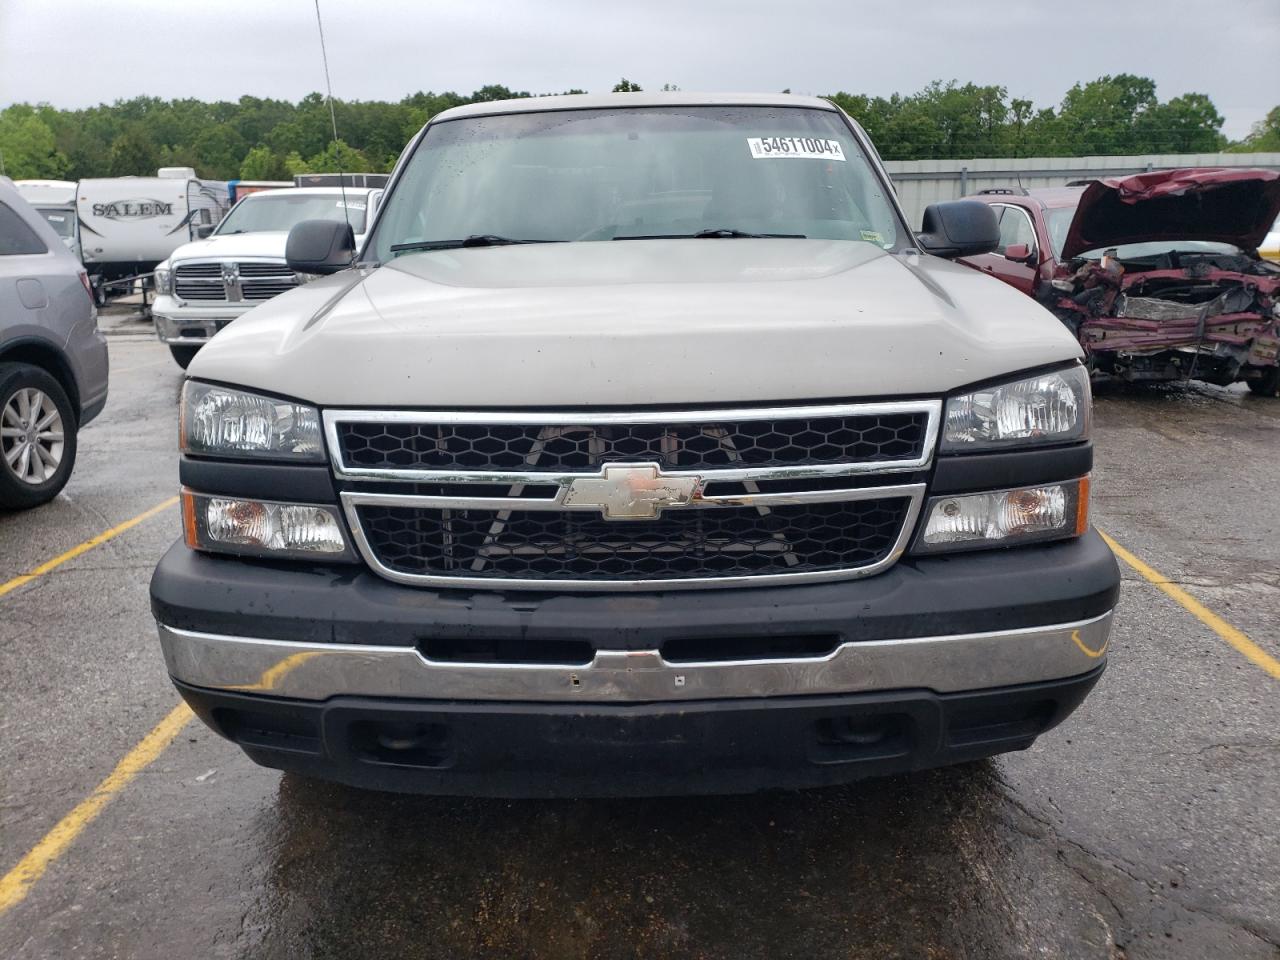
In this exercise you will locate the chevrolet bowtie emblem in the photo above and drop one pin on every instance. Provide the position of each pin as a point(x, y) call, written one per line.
point(634, 492)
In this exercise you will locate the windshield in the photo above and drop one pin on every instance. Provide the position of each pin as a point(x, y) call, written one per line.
point(281, 210)
point(1060, 221)
point(62, 221)
point(637, 172)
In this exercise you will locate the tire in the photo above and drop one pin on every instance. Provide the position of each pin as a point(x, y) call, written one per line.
point(183, 354)
point(24, 483)
point(1268, 385)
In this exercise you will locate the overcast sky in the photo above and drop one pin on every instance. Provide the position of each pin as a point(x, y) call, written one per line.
point(78, 52)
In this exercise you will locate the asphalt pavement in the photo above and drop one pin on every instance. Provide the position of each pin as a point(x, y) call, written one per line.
point(1146, 826)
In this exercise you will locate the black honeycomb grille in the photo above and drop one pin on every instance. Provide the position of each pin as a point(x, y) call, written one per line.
point(870, 438)
point(680, 543)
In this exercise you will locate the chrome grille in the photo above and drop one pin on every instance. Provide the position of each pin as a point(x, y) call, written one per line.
point(636, 500)
point(199, 281)
point(232, 281)
point(790, 441)
point(552, 546)
point(266, 289)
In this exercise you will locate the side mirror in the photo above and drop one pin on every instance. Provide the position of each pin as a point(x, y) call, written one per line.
point(1020, 253)
point(959, 228)
point(203, 231)
point(320, 246)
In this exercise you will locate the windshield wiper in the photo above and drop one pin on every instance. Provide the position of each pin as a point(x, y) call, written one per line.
point(716, 233)
point(475, 240)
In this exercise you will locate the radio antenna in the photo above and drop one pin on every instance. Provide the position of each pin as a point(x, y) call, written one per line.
point(333, 118)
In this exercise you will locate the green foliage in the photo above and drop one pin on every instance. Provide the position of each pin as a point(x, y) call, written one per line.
point(294, 164)
point(27, 146)
point(261, 163)
point(1265, 134)
point(1117, 115)
point(497, 92)
point(264, 139)
point(133, 151)
point(337, 157)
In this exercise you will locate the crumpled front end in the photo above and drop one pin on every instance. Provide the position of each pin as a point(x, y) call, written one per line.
point(1212, 317)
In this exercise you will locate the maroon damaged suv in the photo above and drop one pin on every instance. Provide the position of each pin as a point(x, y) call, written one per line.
point(1157, 274)
point(1033, 225)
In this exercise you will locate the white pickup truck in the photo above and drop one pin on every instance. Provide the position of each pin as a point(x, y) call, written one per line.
point(643, 449)
point(206, 284)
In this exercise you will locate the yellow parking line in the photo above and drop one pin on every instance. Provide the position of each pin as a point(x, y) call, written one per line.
point(15, 884)
point(24, 579)
point(1226, 631)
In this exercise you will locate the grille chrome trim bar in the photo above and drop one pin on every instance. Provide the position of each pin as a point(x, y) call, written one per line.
point(914, 493)
point(332, 418)
point(357, 498)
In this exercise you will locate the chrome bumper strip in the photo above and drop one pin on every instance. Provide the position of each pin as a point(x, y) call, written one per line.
point(317, 671)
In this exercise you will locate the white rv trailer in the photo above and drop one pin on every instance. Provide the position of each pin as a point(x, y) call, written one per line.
point(55, 200)
point(129, 224)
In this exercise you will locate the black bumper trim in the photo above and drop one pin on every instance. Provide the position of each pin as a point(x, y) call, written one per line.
point(964, 473)
point(260, 481)
point(935, 596)
point(579, 750)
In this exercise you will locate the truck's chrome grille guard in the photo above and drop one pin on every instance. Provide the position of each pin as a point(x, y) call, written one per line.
point(640, 537)
point(232, 281)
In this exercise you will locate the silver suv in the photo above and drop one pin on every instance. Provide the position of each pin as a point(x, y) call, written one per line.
point(53, 357)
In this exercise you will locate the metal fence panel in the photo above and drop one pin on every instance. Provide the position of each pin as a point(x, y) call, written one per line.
point(922, 182)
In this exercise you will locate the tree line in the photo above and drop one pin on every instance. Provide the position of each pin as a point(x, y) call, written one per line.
point(257, 138)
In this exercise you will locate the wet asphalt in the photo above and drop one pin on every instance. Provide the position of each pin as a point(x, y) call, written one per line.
point(1148, 825)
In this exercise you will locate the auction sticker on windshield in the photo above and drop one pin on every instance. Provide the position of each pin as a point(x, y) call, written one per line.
point(803, 148)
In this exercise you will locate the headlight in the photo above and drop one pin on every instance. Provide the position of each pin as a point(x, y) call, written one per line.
point(1047, 408)
point(261, 528)
point(222, 422)
point(1003, 518)
point(164, 280)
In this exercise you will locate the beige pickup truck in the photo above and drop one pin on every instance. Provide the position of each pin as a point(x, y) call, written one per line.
point(643, 449)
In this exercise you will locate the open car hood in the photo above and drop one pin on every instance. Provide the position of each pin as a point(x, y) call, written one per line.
point(1218, 204)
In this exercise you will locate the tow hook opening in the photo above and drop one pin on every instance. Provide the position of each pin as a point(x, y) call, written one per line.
point(853, 737)
point(400, 744)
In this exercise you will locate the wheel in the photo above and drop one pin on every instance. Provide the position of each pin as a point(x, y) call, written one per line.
point(183, 354)
point(1268, 385)
point(37, 436)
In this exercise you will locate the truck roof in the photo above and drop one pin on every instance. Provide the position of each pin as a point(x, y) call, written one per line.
point(311, 191)
point(597, 101)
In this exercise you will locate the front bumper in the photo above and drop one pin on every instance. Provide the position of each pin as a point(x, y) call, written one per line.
point(655, 749)
point(332, 672)
point(193, 324)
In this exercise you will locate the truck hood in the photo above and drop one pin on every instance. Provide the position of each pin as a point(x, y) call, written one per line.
point(657, 322)
point(1223, 205)
point(225, 247)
